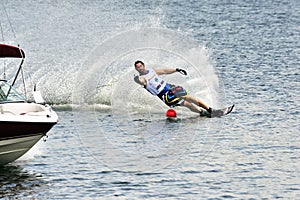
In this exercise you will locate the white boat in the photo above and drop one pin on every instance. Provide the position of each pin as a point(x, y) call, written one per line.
point(22, 123)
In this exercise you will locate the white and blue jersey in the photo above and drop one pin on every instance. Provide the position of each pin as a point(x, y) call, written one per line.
point(170, 94)
point(155, 84)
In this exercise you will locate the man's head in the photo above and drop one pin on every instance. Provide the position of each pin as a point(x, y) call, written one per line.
point(140, 67)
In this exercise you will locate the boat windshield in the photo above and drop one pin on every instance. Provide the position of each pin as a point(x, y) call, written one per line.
point(13, 95)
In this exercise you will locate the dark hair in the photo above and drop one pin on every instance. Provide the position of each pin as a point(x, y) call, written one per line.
point(138, 61)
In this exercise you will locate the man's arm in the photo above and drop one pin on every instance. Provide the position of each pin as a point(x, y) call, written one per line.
point(165, 71)
point(170, 71)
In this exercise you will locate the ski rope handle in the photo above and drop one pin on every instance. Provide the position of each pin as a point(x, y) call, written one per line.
point(181, 71)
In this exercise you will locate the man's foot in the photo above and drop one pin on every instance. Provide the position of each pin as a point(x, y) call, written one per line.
point(210, 110)
point(205, 113)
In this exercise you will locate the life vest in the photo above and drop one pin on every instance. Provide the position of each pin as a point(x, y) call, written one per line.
point(155, 84)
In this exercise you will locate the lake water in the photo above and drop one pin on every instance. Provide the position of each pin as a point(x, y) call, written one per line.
point(113, 140)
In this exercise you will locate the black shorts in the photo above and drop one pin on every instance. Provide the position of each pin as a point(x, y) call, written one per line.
point(174, 96)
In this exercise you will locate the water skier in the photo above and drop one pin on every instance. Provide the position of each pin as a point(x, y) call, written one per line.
point(170, 94)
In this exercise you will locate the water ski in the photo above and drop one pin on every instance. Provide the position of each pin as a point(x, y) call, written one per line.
point(219, 112)
point(172, 115)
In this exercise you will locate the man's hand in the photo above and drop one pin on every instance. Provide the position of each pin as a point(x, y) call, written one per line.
point(181, 71)
point(140, 80)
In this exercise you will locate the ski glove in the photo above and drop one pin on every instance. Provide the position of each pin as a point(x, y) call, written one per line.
point(181, 71)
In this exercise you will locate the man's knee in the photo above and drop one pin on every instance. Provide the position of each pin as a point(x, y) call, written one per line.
point(188, 98)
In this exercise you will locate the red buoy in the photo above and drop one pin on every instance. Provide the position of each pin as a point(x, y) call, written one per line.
point(171, 113)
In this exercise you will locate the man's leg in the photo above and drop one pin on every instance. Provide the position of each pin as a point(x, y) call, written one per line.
point(191, 107)
point(197, 102)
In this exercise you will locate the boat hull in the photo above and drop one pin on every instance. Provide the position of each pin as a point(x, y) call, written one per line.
point(14, 148)
point(16, 138)
point(10, 129)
